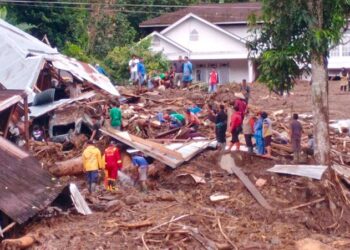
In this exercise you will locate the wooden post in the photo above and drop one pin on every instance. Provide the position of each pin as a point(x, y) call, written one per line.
point(26, 120)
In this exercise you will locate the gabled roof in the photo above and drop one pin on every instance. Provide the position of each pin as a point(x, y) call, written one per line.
point(191, 15)
point(227, 13)
point(175, 44)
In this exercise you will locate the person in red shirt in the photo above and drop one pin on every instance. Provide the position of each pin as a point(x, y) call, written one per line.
point(113, 164)
point(241, 103)
point(213, 81)
point(235, 128)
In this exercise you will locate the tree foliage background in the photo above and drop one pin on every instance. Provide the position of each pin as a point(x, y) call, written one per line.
point(95, 31)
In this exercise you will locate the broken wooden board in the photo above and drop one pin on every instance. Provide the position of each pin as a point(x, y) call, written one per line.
point(227, 163)
point(311, 171)
point(343, 172)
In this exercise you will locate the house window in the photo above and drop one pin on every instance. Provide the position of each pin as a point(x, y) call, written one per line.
point(335, 51)
point(155, 41)
point(194, 35)
point(346, 49)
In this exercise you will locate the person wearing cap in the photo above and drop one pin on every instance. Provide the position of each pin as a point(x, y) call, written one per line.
point(192, 120)
point(235, 128)
point(113, 163)
point(141, 163)
point(92, 162)
point(240, 103)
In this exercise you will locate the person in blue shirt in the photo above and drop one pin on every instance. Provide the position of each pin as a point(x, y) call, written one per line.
point(141, 163)
point(100, 69)
point(187, 72)
point(141, 70)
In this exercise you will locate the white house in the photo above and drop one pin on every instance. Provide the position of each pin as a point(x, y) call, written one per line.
point(215, 35)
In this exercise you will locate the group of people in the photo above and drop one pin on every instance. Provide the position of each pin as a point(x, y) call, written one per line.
point(178, 75)
point(107, 165)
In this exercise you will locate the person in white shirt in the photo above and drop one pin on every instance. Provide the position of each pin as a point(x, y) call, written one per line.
point(133, 69)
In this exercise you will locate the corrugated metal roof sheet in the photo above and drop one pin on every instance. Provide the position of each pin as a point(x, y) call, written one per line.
point(25, 188)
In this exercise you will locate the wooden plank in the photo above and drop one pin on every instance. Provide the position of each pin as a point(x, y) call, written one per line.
point(169, 132)
point(228, 163)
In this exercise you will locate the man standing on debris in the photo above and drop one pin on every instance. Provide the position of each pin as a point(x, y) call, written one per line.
point(115, 114)
point(92, 162)
point(245, 90)
point(221, 127)
point(267, 133)
point(240, 103)
point(178, 67)
point(113, 164)
point(235, 128)
point(187, 72)
point(248, 130)
point(213, 81)
point(141, 163)
point(258, 135)
point(133, 69)
point(296, 131)
point(141, 70)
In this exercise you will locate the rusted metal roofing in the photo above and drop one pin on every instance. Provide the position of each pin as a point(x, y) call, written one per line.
point(226, 13)
point(10, 97)
point(25, 188)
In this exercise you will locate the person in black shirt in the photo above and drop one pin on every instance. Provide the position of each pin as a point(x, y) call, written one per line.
point(178, 67)
point(221, 127)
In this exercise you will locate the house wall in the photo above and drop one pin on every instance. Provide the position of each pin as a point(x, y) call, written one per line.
point(210, 40)
point(228, 70)
point(240, 30)
point(169, 50)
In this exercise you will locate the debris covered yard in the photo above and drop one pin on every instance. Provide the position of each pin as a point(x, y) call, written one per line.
point(200, 205)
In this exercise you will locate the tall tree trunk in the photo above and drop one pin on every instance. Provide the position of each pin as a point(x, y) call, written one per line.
point(319, 90)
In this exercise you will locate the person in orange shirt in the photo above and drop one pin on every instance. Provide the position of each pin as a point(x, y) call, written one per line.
point(192, 120)
point(113, 164)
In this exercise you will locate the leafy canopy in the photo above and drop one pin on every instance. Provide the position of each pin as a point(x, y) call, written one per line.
point(292, 31)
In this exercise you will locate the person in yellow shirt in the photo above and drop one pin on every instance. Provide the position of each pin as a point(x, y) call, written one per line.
point(92, 162)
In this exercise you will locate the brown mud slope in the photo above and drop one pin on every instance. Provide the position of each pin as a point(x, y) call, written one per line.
point(129, 219)
point(238, 221)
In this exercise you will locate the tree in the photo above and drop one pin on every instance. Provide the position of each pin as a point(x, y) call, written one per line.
point(295, 34)
point(117, 60)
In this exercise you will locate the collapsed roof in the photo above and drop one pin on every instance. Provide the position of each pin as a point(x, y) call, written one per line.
point(22, 57)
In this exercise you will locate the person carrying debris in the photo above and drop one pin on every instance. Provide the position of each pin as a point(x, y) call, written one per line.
point(192, 120)
point(258, 135)
point(235, 128)
point(248, 130)
point(267, 133)
point(141, 163)
point(113, 164)
point(296, 131)
point(115, 114)
point(176, 120)
point(92, 162)
point(213, 81)
point(221, 127)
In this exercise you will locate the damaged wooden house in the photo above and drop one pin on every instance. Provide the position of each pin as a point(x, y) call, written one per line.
point(50, 79)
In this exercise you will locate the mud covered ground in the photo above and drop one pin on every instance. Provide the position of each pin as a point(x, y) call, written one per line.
point(129, 219)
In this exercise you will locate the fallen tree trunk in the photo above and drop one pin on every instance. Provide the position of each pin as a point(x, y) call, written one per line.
point(70, 167)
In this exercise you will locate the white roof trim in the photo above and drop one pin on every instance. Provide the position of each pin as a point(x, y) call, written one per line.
point(191, 15)
point(155, 33)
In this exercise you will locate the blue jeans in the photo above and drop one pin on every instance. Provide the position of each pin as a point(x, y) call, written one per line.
point(212, 88)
